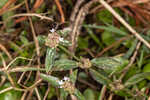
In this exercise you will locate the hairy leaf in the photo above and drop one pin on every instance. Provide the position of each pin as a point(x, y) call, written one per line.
point(110, 64)
point(50, 57)
point(99, 77)
point(64, 64)
point(54, 81)
point(137, 78)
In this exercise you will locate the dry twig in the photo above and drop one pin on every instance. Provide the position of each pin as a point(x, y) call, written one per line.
point(60, 10)
point(131, 61)
point(46, 94)
point(108, 7)
point(5, 50)
point(31, 14)
point(6, 6)
point(5, 90)
point(37, 93)
point(36, 45)
point(78, 23)
point(112, 45)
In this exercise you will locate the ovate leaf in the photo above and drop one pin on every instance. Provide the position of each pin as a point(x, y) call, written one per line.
point(99, 77)
point(64, 42)
point(50, 56)
point(110, 64)
point(107, 38)
point(137, 78)
point(54, 81)
point(73, 76)
point(89, 94)
point(64, 64)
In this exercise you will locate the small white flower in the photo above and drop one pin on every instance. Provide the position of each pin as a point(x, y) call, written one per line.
point(66, 79)
point(61, 82)
point(61, 39)
point(52, 30)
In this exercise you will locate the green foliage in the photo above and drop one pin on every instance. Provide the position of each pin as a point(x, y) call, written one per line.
point(89, 94)
point(105, 16)
point(131, 49)
point(94, 37)
point(132, 71)
point(137, 78)
point(100, 77)
point(82, 43)
point(79, 95)
point(51, 93)
point(107, 38)
point(147, 69)
point(54, 81)
point(41, 39)
point(73, 76)
point(64, 64)
point(11, 94)
point(109, 28)
point(50, 57)
point(110, 64)
point(63, 94)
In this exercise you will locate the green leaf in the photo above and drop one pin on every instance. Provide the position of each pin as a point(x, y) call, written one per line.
point(99, 77)
point(64, 42)
point(63, 94)
point(41, 39)
point(137, 78)
point(109, 28)
point(131, 72)
point(64, 64)
point(105, 16)
point(54, 81)
point(141, 59)
point(51, 93)
point(89, 94)
point(107, 38)
point(79, 95)
point(9, 95)
point(131, 49)
point(94, 37)
point(64, 32)
point(24, 40)
point(122, 93)
point(50, 57)
point(73, 76)
point(146, 68)
point(110, 64)
point(82, 43)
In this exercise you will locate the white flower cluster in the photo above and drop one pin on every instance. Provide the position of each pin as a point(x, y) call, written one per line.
point(52, 30)
point(63, 81)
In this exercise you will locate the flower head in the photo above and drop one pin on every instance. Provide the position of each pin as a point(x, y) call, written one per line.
point(67, 85)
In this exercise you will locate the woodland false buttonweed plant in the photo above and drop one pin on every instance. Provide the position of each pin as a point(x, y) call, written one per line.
point(52, 42)
point(99, 68)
